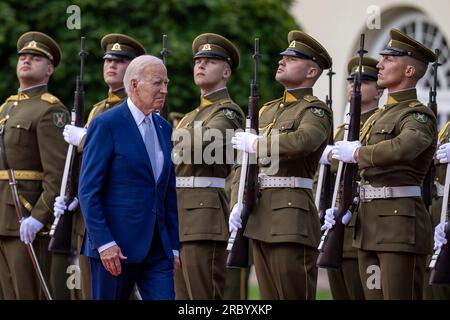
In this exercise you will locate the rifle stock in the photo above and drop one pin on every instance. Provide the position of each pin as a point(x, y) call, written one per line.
point(331, 246)
point(238, 244)
point(61, 231)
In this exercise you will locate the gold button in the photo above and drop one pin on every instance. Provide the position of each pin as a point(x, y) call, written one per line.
point(282, 127)
point(395, 211)
point(197, 109)
point(18, 126)
point(107, 105)
point(382, 130)
point(289, 203)
point(281, 105)
point(201, 203)
point(7, 117)
point(15, 103)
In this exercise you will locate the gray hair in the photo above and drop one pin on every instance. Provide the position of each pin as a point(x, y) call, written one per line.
point(136, 68)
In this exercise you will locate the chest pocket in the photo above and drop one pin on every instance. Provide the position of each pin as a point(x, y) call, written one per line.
point(19, 132)
point(285, 126)
point(381, 132)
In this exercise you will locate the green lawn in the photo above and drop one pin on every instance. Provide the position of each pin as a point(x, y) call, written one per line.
point(253, 293)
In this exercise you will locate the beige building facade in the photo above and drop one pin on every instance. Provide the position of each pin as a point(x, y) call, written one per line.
point(339, 24)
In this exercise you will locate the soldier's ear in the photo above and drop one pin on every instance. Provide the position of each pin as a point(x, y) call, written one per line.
point(410, 71)
point(50, 69)
point(226, 72)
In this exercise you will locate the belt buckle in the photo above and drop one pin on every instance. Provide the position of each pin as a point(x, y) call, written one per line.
point(387, 192)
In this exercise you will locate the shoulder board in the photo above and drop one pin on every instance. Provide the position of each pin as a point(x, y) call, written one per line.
point(415, 104)
point(310, 98)
point(12, 98)
point(48, 97)
point(98, 104)
point(225, 101)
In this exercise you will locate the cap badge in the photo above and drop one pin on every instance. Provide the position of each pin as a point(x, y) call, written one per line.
point(292, 44)
point(32, 44)
point(357, 69)
point(390, 44)
point(206, 47)
point(116, 47)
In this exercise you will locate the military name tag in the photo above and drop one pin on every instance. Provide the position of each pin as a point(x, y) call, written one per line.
point(59, 119)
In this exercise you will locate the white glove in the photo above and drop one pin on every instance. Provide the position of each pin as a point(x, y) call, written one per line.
point(73, 135)
point(345, 150)
point(439, 236)
point(235, 221)
point(245, 141)
point(28, 229)
point(330, 218)
point(60, 205)
point(325, 153)
point(443, 153)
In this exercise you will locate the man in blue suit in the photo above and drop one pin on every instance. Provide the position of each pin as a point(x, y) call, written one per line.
point(127, 191)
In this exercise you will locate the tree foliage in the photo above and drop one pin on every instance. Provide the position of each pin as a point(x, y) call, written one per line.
point(146, 20)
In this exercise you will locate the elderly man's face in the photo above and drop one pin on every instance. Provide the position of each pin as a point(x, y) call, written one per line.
point(149, 93)
point(33, 68)
point(113, 72)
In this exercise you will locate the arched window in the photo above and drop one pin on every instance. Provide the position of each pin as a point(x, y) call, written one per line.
point(419, 26)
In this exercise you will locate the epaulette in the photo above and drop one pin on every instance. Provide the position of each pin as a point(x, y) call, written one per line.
point(415, 104)
point(310, 98)
point(225, 101)
point(272, 101)
point(98, 104)
point(13, 98)
point(48, 97)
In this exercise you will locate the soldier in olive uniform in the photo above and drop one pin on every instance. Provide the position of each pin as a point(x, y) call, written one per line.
point(284, 224)
point(202, 201)
point(32, 121)
point(393, 227)
point(345, 283)
point(119, 51)
point(438, 292)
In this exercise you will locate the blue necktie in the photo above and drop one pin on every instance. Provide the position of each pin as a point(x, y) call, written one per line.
point(149, 141)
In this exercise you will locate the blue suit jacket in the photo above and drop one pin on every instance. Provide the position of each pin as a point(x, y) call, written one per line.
point(119, 197)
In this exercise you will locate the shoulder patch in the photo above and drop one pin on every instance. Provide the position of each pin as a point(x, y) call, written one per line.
point(310, 98)
point(318, 112)
point(230, 114)
point(420, 117)
point(59, 119)
point(48, 97)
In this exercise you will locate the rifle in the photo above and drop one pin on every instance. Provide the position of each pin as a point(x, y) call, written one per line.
point(440, 261)
point(18, 209)
point(61, 230)
point(164, 54)
point(429, 189)
point(325, 180)
point(331, 244)
point(248, 189)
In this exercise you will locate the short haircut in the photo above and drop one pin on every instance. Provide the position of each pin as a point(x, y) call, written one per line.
point(136, 68)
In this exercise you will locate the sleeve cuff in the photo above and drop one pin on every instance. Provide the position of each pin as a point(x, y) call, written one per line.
point(176, 253)
point(106, 246)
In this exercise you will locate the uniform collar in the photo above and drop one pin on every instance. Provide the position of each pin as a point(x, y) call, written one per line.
point(32, 91)
point(293, 95)
point(367, 115)
point(213, 97)
point(116, 95)
point(402, 95)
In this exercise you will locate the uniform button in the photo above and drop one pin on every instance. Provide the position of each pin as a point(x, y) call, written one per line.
point(289, 203)
point(15, 103)
point(382, 130)
point(201, 204)
point(7, 117)
point(107, 105)
point(282, 127)
point(395, 211)
point(197, 109)
point(281, 105)
point(18, 126)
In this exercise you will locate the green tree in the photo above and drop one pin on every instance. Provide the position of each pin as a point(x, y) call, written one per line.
point(182, 20)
